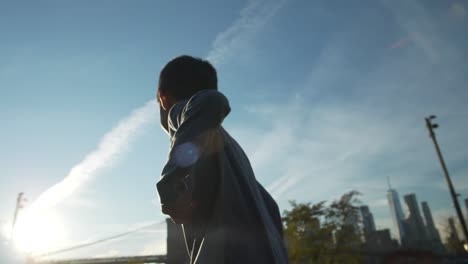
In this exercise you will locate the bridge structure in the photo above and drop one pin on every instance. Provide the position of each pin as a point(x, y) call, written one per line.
point(153, 259)
point(176, 251)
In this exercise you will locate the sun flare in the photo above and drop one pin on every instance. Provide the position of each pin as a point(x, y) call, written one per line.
point(38, 232)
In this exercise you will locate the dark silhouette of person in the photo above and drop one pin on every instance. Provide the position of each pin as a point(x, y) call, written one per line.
point(208, 185)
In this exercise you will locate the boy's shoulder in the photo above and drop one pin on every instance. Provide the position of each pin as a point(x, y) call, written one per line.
point(207, 97)
point(206, 103)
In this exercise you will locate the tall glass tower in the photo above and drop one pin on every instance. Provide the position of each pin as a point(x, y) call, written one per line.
point(415, 231)
point(368, 224)
point(431, 229)
point(396, 211)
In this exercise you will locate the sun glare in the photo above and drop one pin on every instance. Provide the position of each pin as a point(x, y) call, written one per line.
point(38, 232)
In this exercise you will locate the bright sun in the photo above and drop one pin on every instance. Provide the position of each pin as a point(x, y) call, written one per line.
point(38, 232)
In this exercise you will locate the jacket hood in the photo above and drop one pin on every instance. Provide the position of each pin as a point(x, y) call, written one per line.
point(211, 106)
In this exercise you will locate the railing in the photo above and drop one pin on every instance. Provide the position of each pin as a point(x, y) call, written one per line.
point(113, 260)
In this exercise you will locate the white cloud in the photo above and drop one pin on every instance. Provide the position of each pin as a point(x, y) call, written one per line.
point(237, 37)
point(109, 148)
point(79, 202)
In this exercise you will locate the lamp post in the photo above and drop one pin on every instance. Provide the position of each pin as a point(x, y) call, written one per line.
point(431, 126)
point(19, 205)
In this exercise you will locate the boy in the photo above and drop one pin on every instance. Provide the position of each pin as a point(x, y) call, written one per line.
point(208, 185)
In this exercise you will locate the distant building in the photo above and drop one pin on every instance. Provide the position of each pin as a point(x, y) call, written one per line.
point(432, 233)
point(368, 224)
point(380, 241)
point(397, 213)
point(453, 234)
point(414, 225)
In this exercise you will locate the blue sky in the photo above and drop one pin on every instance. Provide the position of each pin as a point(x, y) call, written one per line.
point(327, 96)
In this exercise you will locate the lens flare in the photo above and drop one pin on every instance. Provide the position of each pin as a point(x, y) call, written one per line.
point(38, 232)
point(186, 154)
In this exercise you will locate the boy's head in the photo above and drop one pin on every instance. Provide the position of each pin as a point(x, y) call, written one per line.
point(180, 79)
point(184, 76)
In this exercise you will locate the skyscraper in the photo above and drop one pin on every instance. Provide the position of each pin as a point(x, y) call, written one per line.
point(414, 226)
point(397, 212)
point(368, 224)
point(453, 231)
point(431, 231)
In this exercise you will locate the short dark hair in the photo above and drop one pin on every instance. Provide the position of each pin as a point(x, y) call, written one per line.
point(184, 76)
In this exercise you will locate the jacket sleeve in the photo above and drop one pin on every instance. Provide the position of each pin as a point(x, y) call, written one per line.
point(190, 166)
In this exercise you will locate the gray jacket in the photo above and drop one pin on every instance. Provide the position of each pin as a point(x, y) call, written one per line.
point(237, 220)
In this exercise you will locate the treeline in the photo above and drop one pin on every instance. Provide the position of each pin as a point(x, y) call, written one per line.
point(322, 232)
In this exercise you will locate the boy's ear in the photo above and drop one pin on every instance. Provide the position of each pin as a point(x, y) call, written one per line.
point(165, 101)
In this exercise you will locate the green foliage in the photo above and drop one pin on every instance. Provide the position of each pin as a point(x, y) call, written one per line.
point(317, 233)
point(453, 244)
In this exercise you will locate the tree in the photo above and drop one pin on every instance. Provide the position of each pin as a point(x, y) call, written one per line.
point(317, 233)
point(304, 235)
point(453, 244)
point(343, 218)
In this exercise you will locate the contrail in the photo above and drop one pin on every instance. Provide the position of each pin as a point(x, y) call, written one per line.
point(255, 15)
point(108, 149)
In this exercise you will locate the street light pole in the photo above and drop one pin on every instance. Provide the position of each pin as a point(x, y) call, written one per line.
point(454, 195)
point(19, 205)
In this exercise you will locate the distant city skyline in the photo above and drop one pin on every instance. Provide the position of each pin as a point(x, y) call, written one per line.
point(414, 230)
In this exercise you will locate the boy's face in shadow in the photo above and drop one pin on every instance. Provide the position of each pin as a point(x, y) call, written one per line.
point(166, 101)
point(163, 113)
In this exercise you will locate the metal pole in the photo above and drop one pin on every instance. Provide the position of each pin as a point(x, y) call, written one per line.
point(454, 195)
point(18, 206)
